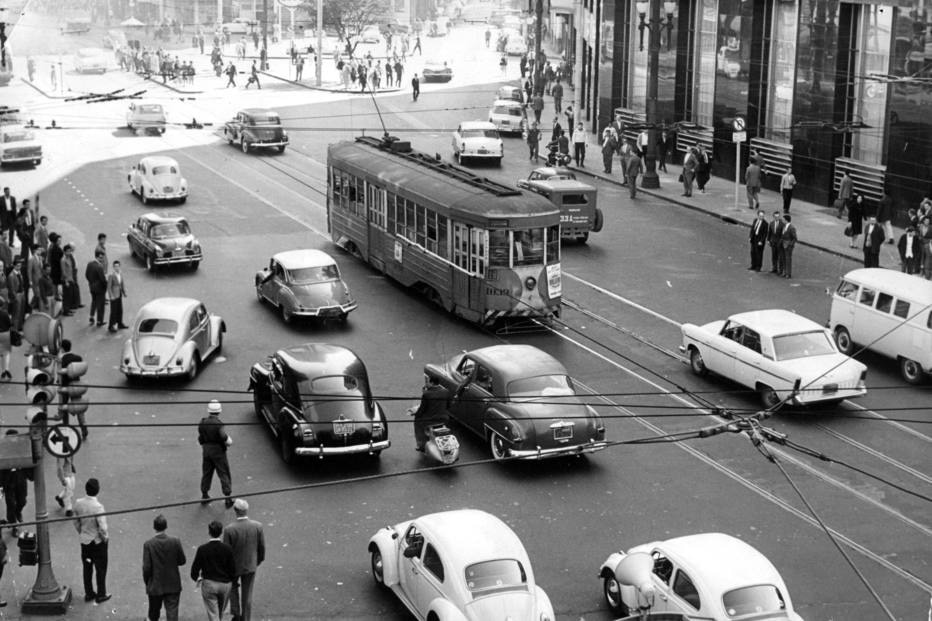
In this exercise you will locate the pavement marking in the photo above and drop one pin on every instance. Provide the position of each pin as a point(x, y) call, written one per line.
point(622, 299)
point(904, 428)
point(879, 455)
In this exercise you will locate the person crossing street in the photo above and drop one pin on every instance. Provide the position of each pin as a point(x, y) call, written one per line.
point(214, 442)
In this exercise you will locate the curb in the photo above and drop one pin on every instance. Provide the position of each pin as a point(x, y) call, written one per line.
point(42, 91)
point(331, 90)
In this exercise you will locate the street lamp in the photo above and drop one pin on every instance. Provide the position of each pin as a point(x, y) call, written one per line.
point(650, 179)
point(641, 8)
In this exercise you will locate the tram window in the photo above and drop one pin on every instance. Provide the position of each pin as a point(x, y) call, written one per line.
point(409, 220)
point(376, 207)
point(442, 238)
point(461, 245)
point(432, 232)
point(498, 247)
point(344, 190)
point(336, 185)
point(529, 247)
point(390, 223)
point(479, 240)
point(420, 228)
point(352, 195)
point(553, 244)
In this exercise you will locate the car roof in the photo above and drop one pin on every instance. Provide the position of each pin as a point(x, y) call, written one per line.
point(477, 125)
point(774, 322)
point(911, 287)
point(259, 111)
point(317, 359)
point(475, 535)
point(511, 103)
point(158, 160)
point(516, 361)
point(159, 219)
point(296, 259)
point(723, 562)
point(169, 308)
point(561, 184)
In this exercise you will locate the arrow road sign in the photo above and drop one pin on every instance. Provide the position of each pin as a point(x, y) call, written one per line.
point(62, 440)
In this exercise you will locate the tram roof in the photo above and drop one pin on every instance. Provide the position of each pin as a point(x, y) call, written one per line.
point(411, 174)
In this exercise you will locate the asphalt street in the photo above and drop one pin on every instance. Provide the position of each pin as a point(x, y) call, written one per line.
point(653, 267)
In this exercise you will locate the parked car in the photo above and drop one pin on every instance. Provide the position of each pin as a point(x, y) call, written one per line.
point(146, 116)
point(91, 60)
point(305, 283)
point(317, 401)
point(163, 240)
point(779, 354)
point(477, 140)
point(157, 177)
point(464, 565)
point(254, 128)
point(546, 173)
point(436, 71)
point(370, 34)
point(508, 116)
point(238, 27)
point(510, 93)
point(171, 337)
point(516, 45)
point(521, 401)
point(18, 145)
point(706, 576)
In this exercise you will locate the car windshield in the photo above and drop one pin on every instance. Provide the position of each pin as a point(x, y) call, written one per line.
point(308, 275)
point(759, 599)
point(803, 344)
point(164, 170)
point(500, 575)
point(530, 388)
point(18, 136)
point(172, 229)
point(507, 110)
point(149, 109)
point(265, 119)
point(158, 326)
point(479, 133)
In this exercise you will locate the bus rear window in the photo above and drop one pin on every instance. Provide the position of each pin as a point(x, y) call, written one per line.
point(574, 199)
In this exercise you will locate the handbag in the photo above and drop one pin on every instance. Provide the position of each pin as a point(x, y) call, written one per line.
point(848, 230)
point(16, 338)
point(681, 178)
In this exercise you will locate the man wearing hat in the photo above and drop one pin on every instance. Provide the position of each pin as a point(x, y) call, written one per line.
point(214, 441)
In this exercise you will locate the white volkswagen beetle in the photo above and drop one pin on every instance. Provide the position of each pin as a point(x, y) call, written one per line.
point(706, 576)
point(464, 565)
point(157, 177)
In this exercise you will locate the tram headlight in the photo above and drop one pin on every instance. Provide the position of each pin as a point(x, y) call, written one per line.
point(530, 283)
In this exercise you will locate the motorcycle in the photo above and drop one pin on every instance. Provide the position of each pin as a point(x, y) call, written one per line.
point(555, 158)
point(441, 445)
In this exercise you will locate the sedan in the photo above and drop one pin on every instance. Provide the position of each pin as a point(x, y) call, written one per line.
point(546, 173)
point(466, 565)
point(521, 401)
point(305, 283)
point(706, 576)
point(316, 400)
point(477, 140)
point(508, 116)
point(511, 93)
point(146, 116)
point(91, 60)
point(171, 337)
point(157, 177)
point(781, 355)
point(162, 240)
point(436, 71)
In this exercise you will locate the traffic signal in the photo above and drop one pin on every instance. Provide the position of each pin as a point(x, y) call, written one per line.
point(72, 390)
point(38, 387)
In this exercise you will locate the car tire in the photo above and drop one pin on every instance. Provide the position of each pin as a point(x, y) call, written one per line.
point(498, 161)
point(229, 137)
point(219, 349)
point(150, 263)
point(286, 316)
point(244, 145)
point(911, 371)
point(611, 590)
point(598, 222)
point(281, 149)
point(768, 396)
point(195, 367)
point(129, 126)
point(259, 297)
point(696, 363)
point(843, 341)
point(497, 446)
point(582, 239)
point(377, 566)
point(194, 265)
point(285, 448)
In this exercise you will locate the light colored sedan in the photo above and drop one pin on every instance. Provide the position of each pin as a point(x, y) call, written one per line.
point(779, 354)
point(305, 283)
point(146, 116)
point(91, 60)
point(463, 565)
point(477, 140)
point(707, 576)
point(172, 337)
point(508, 116)
point(157, 177)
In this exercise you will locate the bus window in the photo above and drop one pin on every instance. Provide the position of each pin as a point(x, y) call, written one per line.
point(499, 244)
point(553, 244)
point(529, 247)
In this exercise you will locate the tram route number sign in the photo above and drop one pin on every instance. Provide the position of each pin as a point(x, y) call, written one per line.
point(62, 440)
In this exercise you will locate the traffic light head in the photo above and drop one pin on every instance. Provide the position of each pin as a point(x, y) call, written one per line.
point(72, 390)
point(74, 371)
point(35, 414)
point(38, 391)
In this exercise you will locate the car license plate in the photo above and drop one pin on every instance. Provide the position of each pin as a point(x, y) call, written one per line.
point(343, 428)
point(150, 360)
point(562, 431)
point(483, 150)
point(829, 389)
point(168, 189)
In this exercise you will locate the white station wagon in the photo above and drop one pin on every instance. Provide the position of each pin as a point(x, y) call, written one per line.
point(464, 565)
point(779, 354)
point(477, 140)
point(708, 576)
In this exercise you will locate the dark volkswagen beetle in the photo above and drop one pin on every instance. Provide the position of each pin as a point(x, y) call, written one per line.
point(317, 401)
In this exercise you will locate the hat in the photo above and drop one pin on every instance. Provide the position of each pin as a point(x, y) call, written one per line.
point(214, 407)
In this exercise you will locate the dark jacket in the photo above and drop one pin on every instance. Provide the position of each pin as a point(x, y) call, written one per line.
point(248, 542)
point(916, 245)
point(434, 402)
point(54, 259)
point(161, 557)
point(789, 235)
point(96, 279)
point(214, 561)
point(876, 237)
point(210, 431)
point(759, 232)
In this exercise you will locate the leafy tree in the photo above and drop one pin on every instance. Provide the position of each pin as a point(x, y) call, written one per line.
point(349, 17)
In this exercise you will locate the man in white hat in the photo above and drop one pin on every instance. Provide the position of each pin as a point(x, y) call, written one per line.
point(214, 441)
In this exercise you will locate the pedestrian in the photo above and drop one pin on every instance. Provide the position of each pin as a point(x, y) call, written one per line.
point(758, 239)
point(68, 357)
point(537, 105)
point(503, 64)
point(609, 146)
point(6, 348)
point(885, 211)
point(53, 78)
point(16, 293)
point(299, 68)
point(787, 183)
point(247, 540)
point(703, 168)
point(873, 240)
point(662, 146)
point(556, 91)
point(417, 44)
point(44, 300)
point(855, 206)
point(570, 115)
point(775, 239)
point(65, 470)
point(689, 171)
point(97, 284)
point(231, 75)
point(95, 539)
point(580, 137)
point(562, 145)
point(14, 482)
point(388, 73)
point(415, 87)
point(527, 90)
point(845, 193)
point(8, 213)
point(41, 238)
point(214, 442)
point(752, 183)
point(523, 65)
point(162, 555)
point(254, 76)
point(488, 37)
point(633, 167)
point(25, 227)
point(362, 76)
point(789, 243)
point(116, 291)
point(925, 235)
point(910, 247)
point(533, 142)
point(213, 570)
point(4, 558)
point(399, 71)
point(71, 297)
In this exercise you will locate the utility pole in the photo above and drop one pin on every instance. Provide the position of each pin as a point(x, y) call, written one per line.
point(578, 62)
point(265, 34)
point(538, 30)
point(651, 179)
point(320, 40)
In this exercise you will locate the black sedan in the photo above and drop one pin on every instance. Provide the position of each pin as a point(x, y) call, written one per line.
point(161, 240)
point(317, 402)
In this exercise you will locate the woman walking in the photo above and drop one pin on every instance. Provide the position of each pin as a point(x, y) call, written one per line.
point(703, 168)
point(855, 219)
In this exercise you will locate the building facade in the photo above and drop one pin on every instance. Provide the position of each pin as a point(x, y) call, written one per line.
point(823, 85)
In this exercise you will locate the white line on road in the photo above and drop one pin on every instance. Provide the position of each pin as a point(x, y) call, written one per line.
point(622, 299)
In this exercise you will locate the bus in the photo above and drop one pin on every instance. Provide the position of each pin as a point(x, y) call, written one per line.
point(481, 250)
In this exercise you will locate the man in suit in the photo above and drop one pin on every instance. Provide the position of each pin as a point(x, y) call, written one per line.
point(248, 542)
point(433, 409)
point(873, 240)
point(34, 268)
point(788, 241)
point(214, 569)
point(214, 441)
point(16, 288)
point(752, 182)
point(161, 557)
point(910, 247)
point(97, 284)
point(7, 214)
point(774, 238)
point(757, 239)
point(116, 291)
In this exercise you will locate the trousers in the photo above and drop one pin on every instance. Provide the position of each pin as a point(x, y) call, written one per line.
point(215, 459)
point(241, 596)
point(169, 600)
point(94, 560)
point(215, 595)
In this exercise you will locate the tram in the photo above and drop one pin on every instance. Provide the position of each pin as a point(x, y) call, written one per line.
point(479, 249)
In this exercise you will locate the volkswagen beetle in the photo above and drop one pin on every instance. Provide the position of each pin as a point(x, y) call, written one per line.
point(157, 177)
point(304, 283)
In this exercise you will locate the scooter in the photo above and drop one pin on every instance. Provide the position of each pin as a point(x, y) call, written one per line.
point(555, 158)
point(442, 445)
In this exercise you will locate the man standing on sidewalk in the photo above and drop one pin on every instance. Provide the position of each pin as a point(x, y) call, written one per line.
point(116, 291)
point(774, 238)
point(556, 91)
point(580, 138)
point(97, 284)
point(789, 243)
point(873, 240)
point(757, 239)
point(415, 87)
point(231, 75)
point(752, 181)
point(633, 167)
point(787, 183)
point(95, 539)
point(689, 171)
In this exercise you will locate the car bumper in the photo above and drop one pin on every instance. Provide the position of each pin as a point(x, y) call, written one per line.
point(177, 259)
point(329, 451)
point(508, 128)
point(813, 397)
point(160, 196)
point(266, 143)
point(561, 451)
point(173, 371)
point(14, 159)
point(326, 311)
point(477, 154)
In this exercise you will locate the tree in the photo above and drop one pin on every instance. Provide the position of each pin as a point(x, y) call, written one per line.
point(349, 17)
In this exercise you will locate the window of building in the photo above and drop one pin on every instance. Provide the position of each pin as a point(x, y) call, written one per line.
point(706, 59)
point(870, 94)
point(782, 79)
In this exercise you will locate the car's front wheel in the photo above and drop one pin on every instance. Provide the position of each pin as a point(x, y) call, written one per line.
point(378, 568)
point(142, 196)
point(281, 148)
point(696, 363)
point(182, 200)
point(285, 446)
point(611, 589)
point(150, 263)
point(497, 446)
point(244, 145)
point(195, 367)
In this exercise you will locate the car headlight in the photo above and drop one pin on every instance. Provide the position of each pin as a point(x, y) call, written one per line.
point(179, 361)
